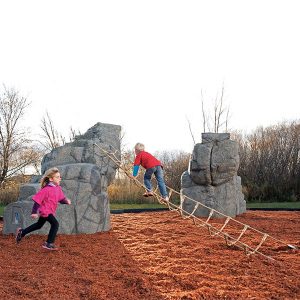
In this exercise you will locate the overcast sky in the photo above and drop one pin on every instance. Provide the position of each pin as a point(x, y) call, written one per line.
point(143, 64)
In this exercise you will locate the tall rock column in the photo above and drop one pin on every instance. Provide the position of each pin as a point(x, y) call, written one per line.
point(212, 177)
point(86, 173)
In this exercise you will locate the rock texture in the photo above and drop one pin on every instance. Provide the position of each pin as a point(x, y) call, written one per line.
point(86, 173)
point(212, 177)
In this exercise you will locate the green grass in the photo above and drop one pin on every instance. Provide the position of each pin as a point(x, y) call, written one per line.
point(115, 206)
point(291, 205)
point(283, 205)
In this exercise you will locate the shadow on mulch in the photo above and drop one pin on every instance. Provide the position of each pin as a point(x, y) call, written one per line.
point(95, 266)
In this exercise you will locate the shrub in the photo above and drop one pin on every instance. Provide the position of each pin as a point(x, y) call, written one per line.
point(10, 189)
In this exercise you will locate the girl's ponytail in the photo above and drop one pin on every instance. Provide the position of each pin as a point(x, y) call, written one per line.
point(48, 174)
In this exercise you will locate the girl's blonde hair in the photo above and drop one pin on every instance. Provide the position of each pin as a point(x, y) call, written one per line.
point(139, 147)
point(48, 174)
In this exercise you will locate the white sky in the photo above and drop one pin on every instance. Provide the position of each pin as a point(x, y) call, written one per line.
point(143, 64)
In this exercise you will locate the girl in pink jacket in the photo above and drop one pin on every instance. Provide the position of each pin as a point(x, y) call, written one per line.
point(44, 208)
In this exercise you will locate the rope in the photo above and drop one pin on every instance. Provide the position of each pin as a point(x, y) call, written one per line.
point(236, 240)
point(213, 231)
point(224, 225)
point(259, 245)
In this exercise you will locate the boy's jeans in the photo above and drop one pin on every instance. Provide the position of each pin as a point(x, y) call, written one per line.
point(158, 172)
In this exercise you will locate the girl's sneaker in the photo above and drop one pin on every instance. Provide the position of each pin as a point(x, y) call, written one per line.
point(49, 246)
point(19, 235)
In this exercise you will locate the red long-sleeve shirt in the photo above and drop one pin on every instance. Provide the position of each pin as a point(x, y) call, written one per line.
point(146, 160)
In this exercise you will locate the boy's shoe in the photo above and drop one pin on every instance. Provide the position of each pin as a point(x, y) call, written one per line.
point(166, 199)
point(49, 246)
point(19, 235)
point(148, 194)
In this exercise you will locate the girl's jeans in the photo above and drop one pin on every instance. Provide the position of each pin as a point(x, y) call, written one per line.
point(40, 223)
point(158, 172)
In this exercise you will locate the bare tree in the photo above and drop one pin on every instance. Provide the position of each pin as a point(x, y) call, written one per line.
point(73, 134)
point(219, 116)
point(51, 136)
point(203, 112)
point(15, 147)
point(218, 111)
point(175, 163)
point(269, 162)
point(52, 139)
point(191, 132)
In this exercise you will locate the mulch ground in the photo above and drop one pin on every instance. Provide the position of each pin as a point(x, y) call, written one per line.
point(155, 255)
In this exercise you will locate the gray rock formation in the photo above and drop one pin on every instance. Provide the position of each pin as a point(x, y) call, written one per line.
point(86, 173)
point(212, 177)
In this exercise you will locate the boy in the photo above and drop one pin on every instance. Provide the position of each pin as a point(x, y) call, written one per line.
point(152, 166)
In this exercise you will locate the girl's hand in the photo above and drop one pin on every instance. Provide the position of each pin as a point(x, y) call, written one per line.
point(34, 216)
point(68, 201)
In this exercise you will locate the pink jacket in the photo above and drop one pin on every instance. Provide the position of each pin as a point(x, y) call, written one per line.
point(48, 198)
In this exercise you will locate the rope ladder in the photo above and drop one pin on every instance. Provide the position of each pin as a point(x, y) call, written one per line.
point(212, 230)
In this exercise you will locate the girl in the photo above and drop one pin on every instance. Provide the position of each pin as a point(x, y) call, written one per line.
point(45, 205)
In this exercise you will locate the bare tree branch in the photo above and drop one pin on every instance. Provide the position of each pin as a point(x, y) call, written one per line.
point(218, 112)
point(203, 112)
point(13, 141)
point(191, 130)
point(52, 139)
